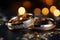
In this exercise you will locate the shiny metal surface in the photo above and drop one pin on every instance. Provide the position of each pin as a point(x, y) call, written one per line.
point(14, 23)
point(45, 23)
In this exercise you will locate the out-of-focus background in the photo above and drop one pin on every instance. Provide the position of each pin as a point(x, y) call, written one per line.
point(10, 7)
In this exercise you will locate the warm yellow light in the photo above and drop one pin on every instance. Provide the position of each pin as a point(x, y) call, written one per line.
point(21, 11)
point(37, 11)
point(59, 12)
point(52, 9)
point(21, 18)
point(45, 11)
point(56, 13)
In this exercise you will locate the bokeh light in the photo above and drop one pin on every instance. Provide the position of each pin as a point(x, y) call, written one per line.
point(56, 13)
point(21, 11)
point(45, 11)
point(52, 9)
point(27, 4)
point(21, 18)
point(48, 2)
point(59, 12)
point(37, 11)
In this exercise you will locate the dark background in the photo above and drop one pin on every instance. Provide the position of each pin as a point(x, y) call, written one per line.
point(10, 7)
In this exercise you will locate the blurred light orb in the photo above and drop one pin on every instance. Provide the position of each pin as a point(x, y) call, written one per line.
point(48, 2)
point(45, 11)
point(27, 4)
point(52, 9)
point(59, 12)
point(21, 18)
point(37, 11)
point(56, 13)
point(21, 11)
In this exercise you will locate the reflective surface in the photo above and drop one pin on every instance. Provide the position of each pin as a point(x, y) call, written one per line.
point(45, 23)
point(16, 23)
